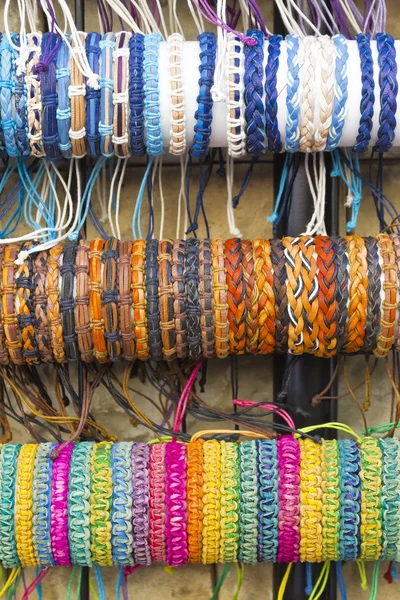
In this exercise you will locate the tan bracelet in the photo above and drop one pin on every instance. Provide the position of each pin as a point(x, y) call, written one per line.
point(389, 304)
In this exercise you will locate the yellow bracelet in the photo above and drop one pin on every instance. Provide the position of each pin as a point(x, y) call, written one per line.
point(23, 505)
point(310, 501)
point(229, 542)
point(100, 504)
point(211, 501)
point(330, 500)
point(371, 499)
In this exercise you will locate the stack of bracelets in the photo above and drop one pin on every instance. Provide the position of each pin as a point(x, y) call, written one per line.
point(105, 299)
point(49, 109)
point(126, 503)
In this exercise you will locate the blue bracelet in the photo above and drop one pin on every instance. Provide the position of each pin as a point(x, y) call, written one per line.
point(248, 505)
point(341, 93)
point(79, 504)
point(6, 96)
point(121, 512)
point(292, 129)
point(253, 92)
point(9, 460)
point(268, 502)
point(388, 92)
point(390, 448)
point(20, 99)
point(48, 82)
point(63, 108)
point(271, 94)
point(203, 114)
point(41, 500)
point(3, 151)
point(152, 112)
point(367, 93)
point(106, 129)
point(93, 51)
point(136, 94)
point(350, 497)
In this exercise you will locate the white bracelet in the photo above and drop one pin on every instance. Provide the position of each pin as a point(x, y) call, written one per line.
point(177, 143)
point(325, 88)
point(307, 129)
point(120, 95)
point(236, 132)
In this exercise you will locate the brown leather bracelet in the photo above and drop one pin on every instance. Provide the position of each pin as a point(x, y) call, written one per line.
point(139, 299)
point(9, 315)
point(40, 307)
point(252, 331)
point(77, 91)
point(389, 304)
point(53, 304)
point(264, 297)
point(82, 315)
point(358, 299)
point(25, 311)
point(237, 312)
point(109, 298)
point(166, 298)
point(3, 350)
point(396, 246)
point(279, 270)
point(206, 299)
point(95, 307)
point(125, 301)
point(220, 291)
point(179, 290)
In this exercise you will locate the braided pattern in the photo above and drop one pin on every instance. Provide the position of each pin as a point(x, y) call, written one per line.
point(248, 506)
point(327, 95)
point(390, 497)
point(341, 92)
point(79, 504)
point(9, 461)
point(374, 294)
point(267, 501)
point(41, 497)
point(9, 315)
point(253, 94)
point(278, 260)
point(121, 524)
point(100, 504)
point(152, 114)
point(229, 542)
point(152, 306)
point(389, 304)
point(312, 48)
point(53, 306)
point(367, 93)
point(342, 291)
point(271, 94)
point(109, 297)
point(139, 301)
point(388, 91)
point(251, 298)
point(59, 506)
point(165, 293)
point(292, 94)
point(157, 503)
point(330, 500)
point(206, 299)
point(82, 317)
point(194, 495)
point(328, 283)
point(7, 73)
point(311, 502)
point(211, 533)
point(141, 499)
point(289, 498)
point(34, 97)
point(23, 513)
point(63, 113)
point(220, 291)
point(237, 313)
point(350, 499)
point(3, 340)
point(136, 94)
point(25, 312)
point(95, 306)
point(40, 301)
point(175, 500)
point(20, 106)
point(203, 114)
point(263, 297)
point(357, 310)
point(193, 310)
point(179, 289)
point(371, 499)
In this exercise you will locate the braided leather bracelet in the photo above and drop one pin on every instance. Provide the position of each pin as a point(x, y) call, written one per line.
point(194, 494)
point(263, 297)
point(95, 306)
point(120, 95)
point(53, 304)
point(271, 94)
point(125, 307)
point(139, 301)
point(179, 289)
point(109, 298)
point(237, 312)
point(67, 301)
point(152, 307)
point(281, 300)
point(8, 312)
point(327, 95)
point(34, 98)
point(77, 92)
point(165, 292)
point(106, 44)
point(93, 51)
point(20, 98)
point(40, 302)
point(48, 82)
point(292, 130)
point(389, 304)
point(206, 299)
point(341, 92)
point(191, 276)
point(253, 93)
point(342, 291)
point(251, 298)
point(374, 294)
point(24, 310)
point(311, 49)
point(3, 340)
point(328, 284)
point(367, 93)
point(7, 73)
point(357, 310)
point(294, 290)
point(82, 315)
point(220, 291)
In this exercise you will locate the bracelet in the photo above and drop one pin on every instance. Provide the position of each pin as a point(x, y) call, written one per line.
point(357, 308)
point(309, 294)
point(59, 506)
point(6, 96)
point(292, 129)
point(206, 299)
point(271, 94)
point(325, 47)
point(95, 306)
point(109, 298)
point(157, 505)
point(177, 144)
point(251, 302)
point(389, 304)
point(371, 499)
point(390, 497)
point(152, 113)
point(175, 501)
point(388, 91)
point(211, 501)
point(396, 246)
point(203, 114)
point(237, 312)
point(289, 499)
point(327, 266)
point(82, 317)
point(330, 484)
point(106, 44)
point(40, 301)
point(193, 310)
point(194, 495)
point(3, 341)
point(76, 93)
point(229, 522)
point(9, 315)
point(79, 491)
point(63, 111)
point(268, 500)
point(34, 96)
point(121, 514)
point(125, 308)
point(220, 292)
point(139, 301)
point(253, 93)
point(310, 501)
point(248, 504)
point(100, 504)
point(341, 92)
point(235, 105)
point(279, 270)
point(48, 83)
point(350, 496)
point(25, 312)
point(374, 294)
point(53, 304)
point(166, 300)
point(311, 49)
point(140, 508)
point(342, 291)
point(136, 94)
point(67, 301)
point(93, 97)
point(121, 94)
point(9, 461)
point(152, 307)
point(20, 98)
point(367, 93)
point(23, 505)
point(41, 501)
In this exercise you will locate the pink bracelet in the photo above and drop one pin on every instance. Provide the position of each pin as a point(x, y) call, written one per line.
point(289, 499)
point(59, 506)
point(176, 510)
point(157, 503)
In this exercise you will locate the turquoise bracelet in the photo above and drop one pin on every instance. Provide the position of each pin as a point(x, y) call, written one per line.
point(79, 506)
point(390, 448)
point(248, 503)
point(268, 501)
point(152, 112)
point(41, 498)
point(121, 511)
point(9, 459)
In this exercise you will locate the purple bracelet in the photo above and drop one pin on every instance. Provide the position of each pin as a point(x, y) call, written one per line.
point(59, 506)
point(141, 501)
point(175, 500)
point(289, 499)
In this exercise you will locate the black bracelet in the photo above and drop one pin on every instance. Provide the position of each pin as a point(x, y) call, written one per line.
point(67, 301)
point(191, 276)
point(372, 325)
point(342, 291)
point(206, 300)
point(109, 298)
point(152, 307)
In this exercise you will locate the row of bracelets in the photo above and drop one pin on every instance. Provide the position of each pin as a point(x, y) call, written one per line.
point(126, 503)
point(105, 300)
point(50, 109)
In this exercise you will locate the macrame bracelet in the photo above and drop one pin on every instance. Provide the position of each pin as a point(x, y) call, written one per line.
point(152, 114)
point(67, 301)
point(248, 503)
point(175, 501)
point(93, 52)
point(191, 277)
point(79, 494)
point(350, 499)
point(7, 72)
point(41, 504)
point(206, 299)
point(390, 449)
point(53, 304)
point(34, 96)
point(330, 485)
point(203, 114)
point(211, 501)
point(136, 94)
point(152, 307)
point(235, 105)
point(59, 506)
point(177, 143)
point(20, 98)
point(8, 480)
point(268, 501)
point(63, 113)
point(77, 92)
point(140, 507)
point(311, 502)
point(371, 499)
point(48, 82)
point(23, 502)
point(289, 499)
point(122, 502)
point(157, 504)
point(230, 500)
point(121, 96)
point(100, 504)
point(107, 45)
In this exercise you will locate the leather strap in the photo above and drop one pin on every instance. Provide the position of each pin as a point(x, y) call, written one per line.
point(358, 281)
point(152, 308)
point(40, 306)
point(396, 247)
point(109, 298)
point(328, 283)
point(281, 301)
point(166, 296)
point(53, 305)
point(237, 312)
point(251, 298)
point(191, 275)
point(77, 92)
point(206, 299)
point(125, 307)
point(220, 291)
point(389, 304)
point(263, 298)
point(95, 306)
point(3, 349)
point(25, 311)
point(67, 301)
point(139, 301)
point(179, 289)
point(82, 315)
point(374, 294)
point(342, 292)
point(9, 315)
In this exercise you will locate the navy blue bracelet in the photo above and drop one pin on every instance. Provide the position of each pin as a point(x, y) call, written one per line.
point(3, 152)
point(203, 115)
point(20, 99)
point(92, 48)
point(271, 95)
point(63, 108)
point(136, 95)
point(350, 498)
point(388, 91)
point(48, 81)
point(367, 93)
point(253, 91)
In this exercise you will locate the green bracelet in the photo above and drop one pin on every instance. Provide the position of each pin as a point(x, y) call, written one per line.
point(390, 497)
point(79, 504)
point(371, 499)
point(330, 484)
point(9, 459)
point(248, 505)
point(229, 542)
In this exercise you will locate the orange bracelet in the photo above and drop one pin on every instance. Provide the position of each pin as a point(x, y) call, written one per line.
point(389, 304)
point(194, 494)
point(95, 306)
point(237, 311)
point(139, 299)
point(358, 297)
point(8, 312)
point(251, 297)
point(265, 295)
point(327, 283)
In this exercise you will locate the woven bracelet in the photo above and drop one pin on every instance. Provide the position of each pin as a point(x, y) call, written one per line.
point(93, 96)
point(63, 113)
point(248, 502)
point(203, 114)
point(175, 501)
point(121, 521)
point(79, 493)
point(140, 508)
point(41, 503)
